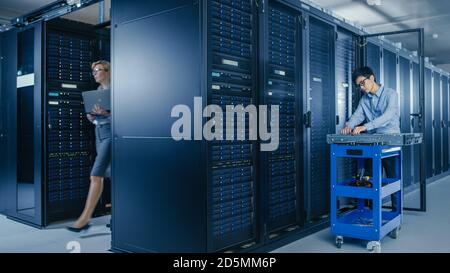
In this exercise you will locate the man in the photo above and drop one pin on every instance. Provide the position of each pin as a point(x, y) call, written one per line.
point(379, 109)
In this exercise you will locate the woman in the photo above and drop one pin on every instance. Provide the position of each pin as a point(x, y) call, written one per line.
point(102, 121)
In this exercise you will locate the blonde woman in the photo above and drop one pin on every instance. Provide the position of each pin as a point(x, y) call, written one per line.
point(100, 170)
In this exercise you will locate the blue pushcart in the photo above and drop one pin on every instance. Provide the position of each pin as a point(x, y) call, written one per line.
point(364, 222)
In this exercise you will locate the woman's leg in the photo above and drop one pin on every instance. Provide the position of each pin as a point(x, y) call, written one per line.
point(95, 191)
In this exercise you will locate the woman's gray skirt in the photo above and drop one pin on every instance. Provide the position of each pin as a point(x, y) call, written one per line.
point(102, 164)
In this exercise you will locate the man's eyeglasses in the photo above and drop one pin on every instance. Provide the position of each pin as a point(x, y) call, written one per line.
point(95, 71)
point(362, 83)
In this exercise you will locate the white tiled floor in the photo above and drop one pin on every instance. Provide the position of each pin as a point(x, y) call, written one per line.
point(17, 238)
point(421, 232)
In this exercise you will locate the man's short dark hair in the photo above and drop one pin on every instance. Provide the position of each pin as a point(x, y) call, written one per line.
point(363, 72)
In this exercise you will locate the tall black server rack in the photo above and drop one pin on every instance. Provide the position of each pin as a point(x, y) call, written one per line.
point(229, 195)
point(49, 142)
point(206, 52)
point(281, 169)
point(320, 117)
point(437, 124)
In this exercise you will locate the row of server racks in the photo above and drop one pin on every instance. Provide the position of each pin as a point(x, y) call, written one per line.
point(218, 196)
point(174, 195)
point(47, 144)
point(399, 69)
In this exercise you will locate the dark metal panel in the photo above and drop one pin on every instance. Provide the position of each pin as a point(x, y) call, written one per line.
point(390, 69)
point(437, 124)
point(322, 100)
point(373, 59)
point(158, 186)
point(159, 196)
point(445, 124)
point(429, 122)
point(416, 124)
point(164, 79)
point(405, 120)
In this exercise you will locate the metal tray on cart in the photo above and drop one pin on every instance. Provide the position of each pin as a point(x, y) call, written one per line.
point(377, 139)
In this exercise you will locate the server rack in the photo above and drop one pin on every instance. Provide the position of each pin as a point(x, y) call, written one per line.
point(215, 185)
point(437, 129)
point(70, 143)
point(144, 150)
point(347, 97)
point(232, 165)
point(21, 84)
point(429, 121)
point(281, 170)
point(319, 116)
point(49, 141)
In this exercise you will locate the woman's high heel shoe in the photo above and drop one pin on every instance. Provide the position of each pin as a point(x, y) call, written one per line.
point(74, 229)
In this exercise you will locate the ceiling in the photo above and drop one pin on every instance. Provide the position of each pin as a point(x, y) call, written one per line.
point(10, 9)
point(391, 15)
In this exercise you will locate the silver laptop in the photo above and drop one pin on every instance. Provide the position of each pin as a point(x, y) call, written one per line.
point(100, 97)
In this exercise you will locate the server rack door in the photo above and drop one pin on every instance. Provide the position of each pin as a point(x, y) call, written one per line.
point(445, 125)
point(22, 95)
point(373, 59)
point(416, 125)
point(437, 123)
point(346, 96)
point(405, 120)
point(159, 184)
point(429, 122)
point(7, 130)
point(321, 97)
point(280, 169)
point(232, 70)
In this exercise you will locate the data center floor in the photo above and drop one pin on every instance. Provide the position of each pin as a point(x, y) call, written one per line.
point(421, 232)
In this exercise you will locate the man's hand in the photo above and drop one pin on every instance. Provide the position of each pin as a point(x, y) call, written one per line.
point(358, 130)
point(346, 131)
point(90, 117)
point(97, 110)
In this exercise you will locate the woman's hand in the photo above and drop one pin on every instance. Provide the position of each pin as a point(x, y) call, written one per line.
point(97, 110)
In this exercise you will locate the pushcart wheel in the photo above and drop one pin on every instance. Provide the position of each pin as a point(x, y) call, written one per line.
point(339, 241)
point(374, 247)
point(394, 233)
